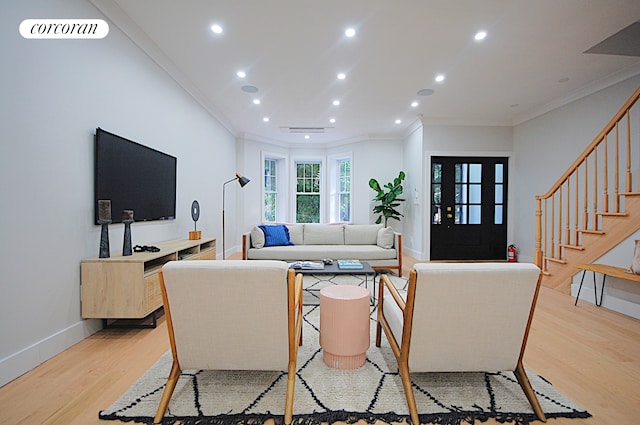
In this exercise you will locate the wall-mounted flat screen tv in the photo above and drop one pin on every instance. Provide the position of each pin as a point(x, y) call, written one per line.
point(134, 177)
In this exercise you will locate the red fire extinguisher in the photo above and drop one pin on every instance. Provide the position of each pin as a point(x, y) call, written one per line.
point(512, 255)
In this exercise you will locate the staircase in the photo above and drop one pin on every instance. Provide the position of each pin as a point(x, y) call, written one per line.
point(593, 207)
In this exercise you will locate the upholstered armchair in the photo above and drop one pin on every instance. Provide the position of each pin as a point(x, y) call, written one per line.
point(460, 317)
point(232, 315)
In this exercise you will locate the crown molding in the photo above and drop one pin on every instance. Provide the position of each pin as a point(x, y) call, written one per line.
point(131, 30)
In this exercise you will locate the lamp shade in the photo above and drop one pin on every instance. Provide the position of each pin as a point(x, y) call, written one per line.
point(242, 180)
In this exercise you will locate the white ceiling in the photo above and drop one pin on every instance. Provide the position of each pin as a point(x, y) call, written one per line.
point(531, 60)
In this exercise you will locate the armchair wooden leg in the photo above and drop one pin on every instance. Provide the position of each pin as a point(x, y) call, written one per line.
point(523, 380)
point(167, 393)
point(378, 333)
point(408, 392)
point(288, 405)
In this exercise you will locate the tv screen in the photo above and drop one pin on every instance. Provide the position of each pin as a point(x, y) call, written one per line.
point(134, 177)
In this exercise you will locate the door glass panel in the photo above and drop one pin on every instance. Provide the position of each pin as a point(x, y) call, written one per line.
point(499, 173)
point(475, 173)
point(498, 215)
point(468, 196)
point(474, 214)
point(475, 193)
point(436, 193)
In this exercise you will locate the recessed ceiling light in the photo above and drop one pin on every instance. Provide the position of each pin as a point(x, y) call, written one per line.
point(216, 28)
point(440, 78)
point(249, 89)
point(256, 101)
point(425, 92)
point(342, 76)
point(350, 32)
point(306, 136)
point(241, 74)
point(265, 119)
point(480, 35)
point(398, 121)
point(414, 104)
point(332, 120)
point(336, 103)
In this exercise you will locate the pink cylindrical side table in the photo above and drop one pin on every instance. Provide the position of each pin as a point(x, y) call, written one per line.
point(344, 325)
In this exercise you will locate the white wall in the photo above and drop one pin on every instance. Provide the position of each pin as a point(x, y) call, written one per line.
point(417, 193)
point(445, 140)
point(54, 94)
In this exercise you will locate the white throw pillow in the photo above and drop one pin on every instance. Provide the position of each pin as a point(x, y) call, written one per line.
point(385, 237)
point(257, 237)
point(361, 234)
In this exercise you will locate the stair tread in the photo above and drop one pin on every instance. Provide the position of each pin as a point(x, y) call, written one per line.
point(556, 260)
point(576, 247)
point(613, 214)
point(592, 232)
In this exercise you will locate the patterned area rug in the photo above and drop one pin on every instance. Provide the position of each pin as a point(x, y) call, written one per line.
point(324, 395)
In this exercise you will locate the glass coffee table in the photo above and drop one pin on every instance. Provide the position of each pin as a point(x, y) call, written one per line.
point(333, 269)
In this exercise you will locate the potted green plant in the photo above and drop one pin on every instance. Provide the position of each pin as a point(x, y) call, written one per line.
point(388, 199)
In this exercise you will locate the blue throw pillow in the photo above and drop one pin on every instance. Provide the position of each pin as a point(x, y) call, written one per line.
point(276, 235)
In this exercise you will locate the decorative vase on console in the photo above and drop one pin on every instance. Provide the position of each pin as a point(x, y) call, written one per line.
point(127, 219)
point(104, 220)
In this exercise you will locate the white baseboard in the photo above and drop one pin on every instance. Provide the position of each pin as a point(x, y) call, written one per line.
point(13, 366)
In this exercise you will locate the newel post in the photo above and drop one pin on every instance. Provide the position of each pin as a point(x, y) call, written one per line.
point(538, 254)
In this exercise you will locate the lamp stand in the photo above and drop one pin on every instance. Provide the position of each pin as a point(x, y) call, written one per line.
point(242, 181)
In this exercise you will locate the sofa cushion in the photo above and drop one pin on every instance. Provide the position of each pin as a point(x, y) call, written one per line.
point(361, 234)
point(323, 234)
point(276, 235)
point(296, 233)
point(319, 252)
point(385, 237)
point(257, 237)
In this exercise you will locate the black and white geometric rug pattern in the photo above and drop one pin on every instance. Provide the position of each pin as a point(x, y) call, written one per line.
point(325, 395)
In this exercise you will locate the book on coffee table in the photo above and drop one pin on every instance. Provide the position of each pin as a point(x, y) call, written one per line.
point(350, 264)
point(307, 265)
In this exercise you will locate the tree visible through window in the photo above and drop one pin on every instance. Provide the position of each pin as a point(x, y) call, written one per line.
point(308, 192)
point(270, 190)
point(345, 189)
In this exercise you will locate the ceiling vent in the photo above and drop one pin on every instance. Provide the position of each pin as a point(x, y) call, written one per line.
point(305, 130)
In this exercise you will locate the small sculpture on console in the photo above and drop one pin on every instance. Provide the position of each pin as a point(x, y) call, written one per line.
point(127, 219)
point(104, 219)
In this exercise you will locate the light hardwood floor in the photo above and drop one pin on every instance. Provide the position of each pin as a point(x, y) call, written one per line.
point(589, 353)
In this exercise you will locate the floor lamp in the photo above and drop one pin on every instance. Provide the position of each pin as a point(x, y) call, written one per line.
point(242, 181)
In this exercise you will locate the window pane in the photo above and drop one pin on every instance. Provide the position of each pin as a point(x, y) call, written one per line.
point(437, 194)
point(461, 173)
point(461, 194)
point(270, 207)
point(474, 214)
point(475, 194)
point(498, 215)
point(308, 209)
point(475, 173)
point(436, 173)
point(498, 194)
point(499, 173)
point(436, 214)
point(461, 214)
point(345, 207)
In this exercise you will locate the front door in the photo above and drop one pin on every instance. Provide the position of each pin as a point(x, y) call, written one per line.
point(468, 208)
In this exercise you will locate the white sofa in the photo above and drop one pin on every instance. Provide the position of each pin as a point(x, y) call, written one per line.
point(379, 246)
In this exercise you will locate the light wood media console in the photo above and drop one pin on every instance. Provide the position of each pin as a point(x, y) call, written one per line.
point(128, 287)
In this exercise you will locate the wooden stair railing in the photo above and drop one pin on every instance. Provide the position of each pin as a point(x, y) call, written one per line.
point(589, 192)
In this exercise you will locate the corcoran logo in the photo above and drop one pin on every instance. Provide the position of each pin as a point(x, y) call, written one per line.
point(64, 28)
